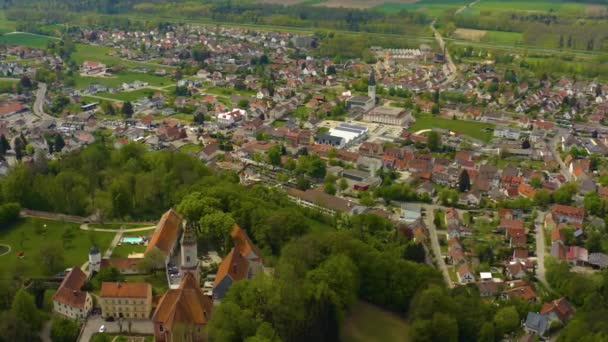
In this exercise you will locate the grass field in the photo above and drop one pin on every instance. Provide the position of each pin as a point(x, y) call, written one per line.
point(559, 7)
point(123, 251)
point(499, 37)
point(129, 95)
point(368, 323)
point(471, 128)
point(190, 148)
point(431, 7)
point(29, 236)
point(6, 25)
point(118, 79)
point(26, 39)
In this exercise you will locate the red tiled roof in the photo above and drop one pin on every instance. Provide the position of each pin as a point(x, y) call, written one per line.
point(125, 290)
point(234, 265)
point(186, 305)
point(566, 210)
point(69, 292)
point(511, 224)
point(10, 107)
point(166, 232)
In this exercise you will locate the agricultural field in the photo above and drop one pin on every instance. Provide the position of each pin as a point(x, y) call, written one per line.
point(30, 235)
point(473, 129)
point(26, 39)
point(488, 7)
point(496, 37)
point(430, 7)
point(368, 323)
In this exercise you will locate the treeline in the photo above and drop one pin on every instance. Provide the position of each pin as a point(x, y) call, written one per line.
point(55, 11)
point(126, 183)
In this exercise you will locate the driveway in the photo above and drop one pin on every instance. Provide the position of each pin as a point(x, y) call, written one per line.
point(92, 327)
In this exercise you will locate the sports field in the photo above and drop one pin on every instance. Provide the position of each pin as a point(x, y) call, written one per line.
point(473, 129)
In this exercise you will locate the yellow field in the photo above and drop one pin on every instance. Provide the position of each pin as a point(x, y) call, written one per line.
point(469, 34)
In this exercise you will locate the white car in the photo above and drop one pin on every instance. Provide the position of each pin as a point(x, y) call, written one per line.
point(102, 328)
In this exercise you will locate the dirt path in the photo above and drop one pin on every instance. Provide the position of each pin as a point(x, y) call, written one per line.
point(105, 230)
point(430, 215)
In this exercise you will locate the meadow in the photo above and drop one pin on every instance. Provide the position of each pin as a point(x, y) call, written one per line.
point(117, 79)
point(559, 7)
point(368, 323)
point(26, 39)
point(432, 8)
point(473, 129)
point(6, 25)
point(30, 235)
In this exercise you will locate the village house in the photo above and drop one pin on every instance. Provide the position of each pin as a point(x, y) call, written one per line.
point(70, 300)
point(166, 234)
point(125, 300)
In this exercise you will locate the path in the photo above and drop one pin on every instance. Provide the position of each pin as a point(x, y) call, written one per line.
point(466, 6)
point(107, 230)
point(8, 250)
point(45, 333)
point(430, 214)
point(452, 69)
point(541, 250)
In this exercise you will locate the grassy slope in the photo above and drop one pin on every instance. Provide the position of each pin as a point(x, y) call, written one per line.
point(25, 39)
point(368, 323)
point(75, 250)
point(470, 128)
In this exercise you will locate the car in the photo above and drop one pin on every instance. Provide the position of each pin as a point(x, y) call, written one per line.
point(102, 328)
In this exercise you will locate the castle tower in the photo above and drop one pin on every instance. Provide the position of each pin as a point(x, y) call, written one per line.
point(94, 260)
point(189, 261)
point(371, 87)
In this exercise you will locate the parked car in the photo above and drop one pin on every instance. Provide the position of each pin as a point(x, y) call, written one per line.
point(102, 328)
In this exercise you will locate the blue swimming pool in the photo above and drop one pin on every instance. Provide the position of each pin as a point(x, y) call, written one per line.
point(133, 240)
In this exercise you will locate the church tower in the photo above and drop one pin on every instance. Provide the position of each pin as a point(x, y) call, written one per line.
point(371, 87)
point(189, 261)
point(94, 260)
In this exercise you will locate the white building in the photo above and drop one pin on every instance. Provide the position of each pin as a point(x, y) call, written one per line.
point(94, 260)
point(387, 116)
point(348, 132)
point(231, 117)
point(507, 133)
point(69, 300)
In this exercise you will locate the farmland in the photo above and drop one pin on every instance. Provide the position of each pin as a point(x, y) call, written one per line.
point(496, 37)
point(490, 7)
point(368, 323)
point(430, 7)
point(26, 39)
point(476, 130)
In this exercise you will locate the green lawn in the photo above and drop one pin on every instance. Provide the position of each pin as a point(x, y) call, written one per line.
point(29, 235)
point(129, 95)
point(123, 251)
point(158, 281)
point(554, 6)
point(6, 25)
point(119, 78)
point(26, 39)
point(190, 148)
point(368, 323)
point(471, 128)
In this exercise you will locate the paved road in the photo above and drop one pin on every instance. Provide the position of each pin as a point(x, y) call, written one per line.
point(39, 103)
point(553, 146)
point(541, 249)
point(430, 210)
point(92, 327)
point(452, 69)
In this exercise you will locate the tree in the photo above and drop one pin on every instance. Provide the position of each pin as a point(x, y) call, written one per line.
point(434, 141)
point(19, 148)
point(464, 182)
point(4, 145)
point(216, 227)
point(343, 184)
point(274, 155)
point(525, 144)
point(51, 257)
point(330, 188)
point(153, 261)
point(506, 320)
point(448, 197)
point(593, 204)
point(302, 183)
point(542, 197)
point(243, 104)
point(317, 169)
point(435, 109)
point(107, 107)
point(24, 309)
point(486, 334)
point(108, 274)
point(564, 194)
point(58, 143)
point(64, 330)
point(26, 82)
point(127, 110)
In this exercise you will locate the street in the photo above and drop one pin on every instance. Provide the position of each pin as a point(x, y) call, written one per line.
point(540, 249)
point(430, 210)
point(553, 146)
point(39, 103)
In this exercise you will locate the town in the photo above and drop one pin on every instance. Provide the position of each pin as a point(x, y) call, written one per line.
point(497, 175)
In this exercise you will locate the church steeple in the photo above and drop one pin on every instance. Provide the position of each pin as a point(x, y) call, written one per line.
point(371, 86)
point(189, 260)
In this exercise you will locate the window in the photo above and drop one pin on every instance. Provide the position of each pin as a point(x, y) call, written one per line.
point(188, 259)
point(161, 329)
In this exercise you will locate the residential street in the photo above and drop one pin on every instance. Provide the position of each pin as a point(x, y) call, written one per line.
point(554, 143)
point(430, 209)
point(39, 103)
point(540, 249)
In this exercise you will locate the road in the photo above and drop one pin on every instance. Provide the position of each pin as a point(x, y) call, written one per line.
point(466, 6)
point(553, 146)
point(541, 250)
point(39, 103)
point(430, 210)
point(452, 69)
